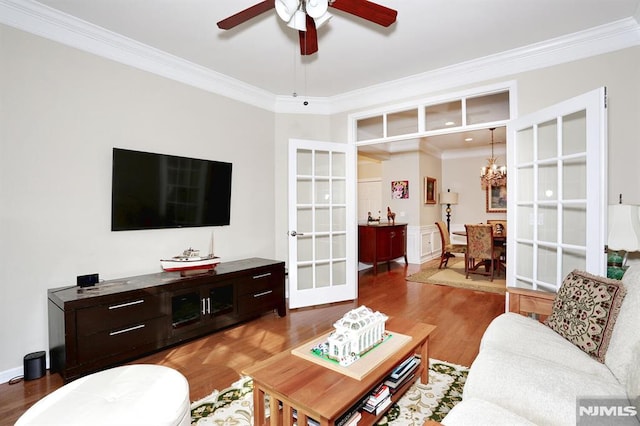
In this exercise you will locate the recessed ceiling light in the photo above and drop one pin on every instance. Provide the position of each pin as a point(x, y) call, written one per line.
point(468, 139)
point(449, 123)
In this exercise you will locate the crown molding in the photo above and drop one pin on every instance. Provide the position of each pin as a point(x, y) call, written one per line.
point(41, 20)
point(592, 42)
point(302, 105)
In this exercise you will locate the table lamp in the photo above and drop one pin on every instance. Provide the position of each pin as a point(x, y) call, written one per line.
point(448, 198)
point(624, 235)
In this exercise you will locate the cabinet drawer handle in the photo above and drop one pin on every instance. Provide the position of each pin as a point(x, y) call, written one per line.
point(126, 330)
point(124, 305)
point(255, 277)
point(264, 293)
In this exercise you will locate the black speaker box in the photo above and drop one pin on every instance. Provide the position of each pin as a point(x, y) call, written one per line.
point(34, 365)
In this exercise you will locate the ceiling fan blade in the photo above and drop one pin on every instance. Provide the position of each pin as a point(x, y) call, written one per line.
point(309, 38)
point(367, 10)
point(245, 15)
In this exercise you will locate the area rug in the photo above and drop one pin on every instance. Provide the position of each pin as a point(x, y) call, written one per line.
point(234, 405)
point(453, 276)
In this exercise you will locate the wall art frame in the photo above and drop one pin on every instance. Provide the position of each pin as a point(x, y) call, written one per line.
point(430, 190)
point(496, 199)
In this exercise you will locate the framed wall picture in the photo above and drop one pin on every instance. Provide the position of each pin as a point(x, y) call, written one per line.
point(497, 199)
point(430, 190)
point(399, 189)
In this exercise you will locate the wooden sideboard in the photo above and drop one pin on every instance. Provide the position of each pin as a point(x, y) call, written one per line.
point(97, 327)
point(382, 243)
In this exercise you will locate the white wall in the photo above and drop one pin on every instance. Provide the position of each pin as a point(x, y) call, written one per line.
point(62, 112)
point(462, 175)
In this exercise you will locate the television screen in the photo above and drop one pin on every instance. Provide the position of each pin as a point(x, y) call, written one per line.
point(151, 191)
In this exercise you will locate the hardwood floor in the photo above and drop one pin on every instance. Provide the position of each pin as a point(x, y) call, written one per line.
point(216, 361)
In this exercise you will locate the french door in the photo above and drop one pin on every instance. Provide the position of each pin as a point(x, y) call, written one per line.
point(322, 223)
point(557, 192)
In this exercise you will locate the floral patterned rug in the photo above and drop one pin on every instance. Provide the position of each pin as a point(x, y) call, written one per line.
point(234, 405)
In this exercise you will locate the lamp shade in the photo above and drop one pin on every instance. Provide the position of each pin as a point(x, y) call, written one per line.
point(624, 227)
point(448, 198)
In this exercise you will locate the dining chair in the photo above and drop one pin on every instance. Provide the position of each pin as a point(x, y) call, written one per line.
point(499, 226)
point(481, 251)
point(500, 230)
point(448, 249)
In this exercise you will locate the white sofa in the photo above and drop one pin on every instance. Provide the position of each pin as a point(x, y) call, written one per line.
point(526, 373)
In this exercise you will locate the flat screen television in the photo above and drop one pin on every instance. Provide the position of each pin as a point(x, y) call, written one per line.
point(153, 191)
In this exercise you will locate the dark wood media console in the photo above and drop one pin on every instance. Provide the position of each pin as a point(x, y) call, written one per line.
point(118, 320)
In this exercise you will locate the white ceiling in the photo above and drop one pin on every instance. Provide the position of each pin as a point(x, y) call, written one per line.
point(353, 53)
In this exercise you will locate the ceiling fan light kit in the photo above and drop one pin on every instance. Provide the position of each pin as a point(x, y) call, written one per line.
point(286, 8)
point(307, 16)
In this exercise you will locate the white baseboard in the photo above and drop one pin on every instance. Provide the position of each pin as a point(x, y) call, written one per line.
point(7, 375)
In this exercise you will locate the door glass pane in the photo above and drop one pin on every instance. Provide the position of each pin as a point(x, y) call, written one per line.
point(305, 248)
point(323, 275)
point(524, 216)
point(442, 116)
point(322, 163)
point(402, 123)
point(574, 133)
point(338, 195)
point(338, 164)
point(323, 247)
point(573, 260)
point(548, 140)
point(322, 192)
point(524, 251)
point(323, 220)
point(488, 108)
point(304, 191)
point(525, 185)
point(524, 151)
point(574, 218)
point(339, 245)
point(339, 273)
point(369, 128)
point(304, 221)
point(547, 182)
point(575, 179)
point(304, 162)
point(547, 264)
point(339, 215)
point(305, 277)
point(548, 223)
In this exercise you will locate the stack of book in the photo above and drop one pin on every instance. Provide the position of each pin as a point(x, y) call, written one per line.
point(402, 373)
point(379, 399)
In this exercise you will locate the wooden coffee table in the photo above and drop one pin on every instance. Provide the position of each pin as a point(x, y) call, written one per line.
point(294, 383)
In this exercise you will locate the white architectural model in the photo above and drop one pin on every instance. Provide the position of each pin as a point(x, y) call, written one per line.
point(355, 333)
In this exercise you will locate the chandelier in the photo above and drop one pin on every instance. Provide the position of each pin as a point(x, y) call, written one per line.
point(492, 174)
point(294, 12)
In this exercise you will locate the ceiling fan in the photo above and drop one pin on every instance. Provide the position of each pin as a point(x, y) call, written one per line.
point(307, 16)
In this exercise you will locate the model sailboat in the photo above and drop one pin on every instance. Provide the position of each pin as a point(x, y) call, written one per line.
point(190, 260)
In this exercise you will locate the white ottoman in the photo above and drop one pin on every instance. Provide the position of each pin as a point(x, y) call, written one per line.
point(129, 395)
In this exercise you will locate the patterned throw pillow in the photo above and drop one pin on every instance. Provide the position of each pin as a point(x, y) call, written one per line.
point(585, 311)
